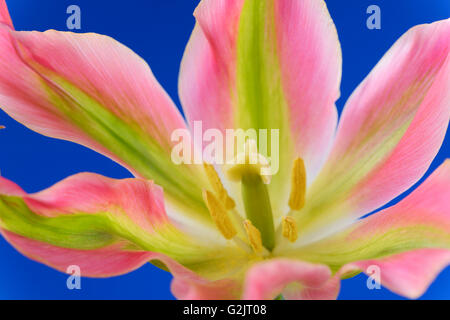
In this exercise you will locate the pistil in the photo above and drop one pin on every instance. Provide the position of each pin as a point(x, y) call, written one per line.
point(258, 208)
point(248, 168)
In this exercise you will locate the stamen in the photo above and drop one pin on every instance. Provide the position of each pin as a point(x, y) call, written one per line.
point(289, 228)
point(219, 215)
point(298, 185)
point(218, 187)
point(254, 236)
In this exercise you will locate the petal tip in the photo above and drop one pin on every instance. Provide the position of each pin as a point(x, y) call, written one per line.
point(5, 17)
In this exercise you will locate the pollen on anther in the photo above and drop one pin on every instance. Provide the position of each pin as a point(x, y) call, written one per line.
point(298, 185)
point(219, 215)
point(289, 229)
point(218, 187)
point(254, 236)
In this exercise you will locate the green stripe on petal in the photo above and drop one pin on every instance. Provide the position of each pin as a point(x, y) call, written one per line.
point(90, 89)
point(266, 64)
point(148, 158)
point(420, 221)
point(260, 98)
point(87, 212)
point(389, 133)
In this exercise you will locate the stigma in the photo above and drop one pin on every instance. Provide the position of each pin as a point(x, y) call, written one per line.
point(249, 162)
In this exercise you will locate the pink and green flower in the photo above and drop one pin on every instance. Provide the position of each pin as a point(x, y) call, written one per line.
point(228, 233)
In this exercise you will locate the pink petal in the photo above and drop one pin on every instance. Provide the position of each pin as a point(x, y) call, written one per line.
point(409, 242)
point(392, 128)
point(105, 70)
point(130, 221)
point(105, 262)
point(4, 14)
point(142, 200)
point(8, 187)
point(204, 86)
point(115, 260)
point(308, 57)
point(328, 291)
point(193, 288)
point(408, 274)
point(267, 279)
point(187, 285)
point(92, 90)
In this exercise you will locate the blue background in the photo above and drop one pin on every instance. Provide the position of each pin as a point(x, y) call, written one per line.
point(159, 31)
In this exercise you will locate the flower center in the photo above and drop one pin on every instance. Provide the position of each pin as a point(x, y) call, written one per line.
point(256, 233)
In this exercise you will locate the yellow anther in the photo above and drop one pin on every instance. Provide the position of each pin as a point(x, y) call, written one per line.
point(219, 215)
point(254, 236)
point(2, 127)
point(218, 187)
point(289, 228)
point(298, 186)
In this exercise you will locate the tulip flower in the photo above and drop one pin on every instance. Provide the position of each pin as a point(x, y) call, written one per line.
point(228, 232)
